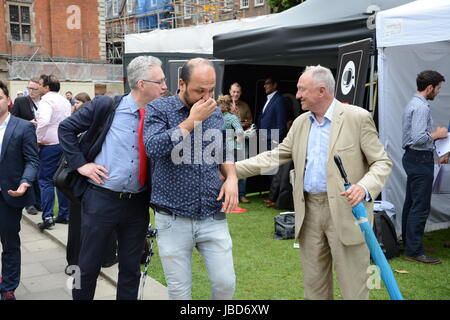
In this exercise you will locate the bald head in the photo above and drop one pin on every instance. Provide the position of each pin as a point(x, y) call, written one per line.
point(197, 81)
point(188, 68)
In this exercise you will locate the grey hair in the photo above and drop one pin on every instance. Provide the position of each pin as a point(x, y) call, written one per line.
point(322, 76)
point(137, 69)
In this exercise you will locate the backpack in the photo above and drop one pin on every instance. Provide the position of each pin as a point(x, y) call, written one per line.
point(384, 230)
point(284, 226)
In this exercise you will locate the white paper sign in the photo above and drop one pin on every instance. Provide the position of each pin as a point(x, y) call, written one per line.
point(442, 146)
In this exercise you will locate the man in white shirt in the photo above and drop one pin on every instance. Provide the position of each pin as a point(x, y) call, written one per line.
point(53, 108)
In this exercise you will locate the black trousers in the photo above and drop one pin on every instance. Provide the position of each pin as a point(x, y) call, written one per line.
point(419, 168)
point(9, 235)
point(74, 238)
point(101, 214)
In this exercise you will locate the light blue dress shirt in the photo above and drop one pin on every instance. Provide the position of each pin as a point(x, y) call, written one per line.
point(317, 153)
point(120, 150)
point(417, 125)
point(315, 180)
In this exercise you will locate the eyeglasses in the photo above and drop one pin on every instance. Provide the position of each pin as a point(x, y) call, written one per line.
point(32, 89)
point(160, 82)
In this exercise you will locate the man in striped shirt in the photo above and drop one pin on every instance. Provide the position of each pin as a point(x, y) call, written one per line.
point(418, 162)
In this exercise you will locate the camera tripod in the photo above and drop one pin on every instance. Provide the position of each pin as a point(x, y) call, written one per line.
point(151, 234)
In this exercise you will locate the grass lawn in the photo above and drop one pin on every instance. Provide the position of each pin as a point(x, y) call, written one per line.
point(270, 269)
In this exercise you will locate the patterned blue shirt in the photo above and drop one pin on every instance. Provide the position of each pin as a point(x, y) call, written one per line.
point(120, 150)
point(184, 179)
point(417, 125)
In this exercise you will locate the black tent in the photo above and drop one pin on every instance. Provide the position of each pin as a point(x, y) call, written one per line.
point(281, 45)
point(308, 33)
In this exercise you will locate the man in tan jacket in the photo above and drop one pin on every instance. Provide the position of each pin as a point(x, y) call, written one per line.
point(324, 223)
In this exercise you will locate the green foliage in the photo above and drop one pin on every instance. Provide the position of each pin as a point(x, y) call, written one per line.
point(281, 5)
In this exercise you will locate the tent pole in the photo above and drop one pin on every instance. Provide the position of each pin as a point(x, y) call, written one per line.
point(371, 88)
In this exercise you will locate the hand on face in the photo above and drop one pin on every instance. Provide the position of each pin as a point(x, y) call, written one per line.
point(202, 109)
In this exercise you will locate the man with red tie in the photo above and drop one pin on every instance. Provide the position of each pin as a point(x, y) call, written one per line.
point(113, 184)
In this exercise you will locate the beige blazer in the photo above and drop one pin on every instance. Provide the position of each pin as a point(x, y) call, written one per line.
point(353, 136)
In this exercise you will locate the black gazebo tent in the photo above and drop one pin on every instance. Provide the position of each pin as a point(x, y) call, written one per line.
point(308, 33)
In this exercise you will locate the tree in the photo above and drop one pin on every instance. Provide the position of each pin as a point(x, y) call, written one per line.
point(281, 5)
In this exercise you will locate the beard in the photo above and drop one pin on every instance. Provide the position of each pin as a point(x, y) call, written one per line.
point(187, 100)
point(431, 96)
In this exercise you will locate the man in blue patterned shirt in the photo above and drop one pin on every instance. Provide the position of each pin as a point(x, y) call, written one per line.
point(418, 162)
point(183, 137)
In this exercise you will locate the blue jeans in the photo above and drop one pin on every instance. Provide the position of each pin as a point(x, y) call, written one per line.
point(49, 157)
point(419, 167)
point(177, 236)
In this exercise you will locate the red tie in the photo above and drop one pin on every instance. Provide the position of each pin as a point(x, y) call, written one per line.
point(142, 155)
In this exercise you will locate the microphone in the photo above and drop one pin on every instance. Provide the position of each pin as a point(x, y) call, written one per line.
point(340, 166)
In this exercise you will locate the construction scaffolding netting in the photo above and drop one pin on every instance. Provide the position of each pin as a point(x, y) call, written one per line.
point(24, 70)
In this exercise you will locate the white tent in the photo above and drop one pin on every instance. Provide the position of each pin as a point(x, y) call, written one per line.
point(412, 38)
point(195, 39)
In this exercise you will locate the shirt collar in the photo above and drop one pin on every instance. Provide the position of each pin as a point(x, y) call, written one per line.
point(328, 115)
point(269, 96)
point(129, 101)
point(5, 123)
point(178, 103)
point(420, 97)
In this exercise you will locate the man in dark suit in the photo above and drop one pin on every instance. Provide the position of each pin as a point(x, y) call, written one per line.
point(18, 169)
point(25, 108)
point(113, 183)
point(272, 124)
point(273, 115)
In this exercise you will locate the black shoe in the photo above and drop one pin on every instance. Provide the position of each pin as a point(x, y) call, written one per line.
point(47, 224)
point(31, 210)
point(61, 220)
point(424, 259)
point(9, 295)
point(110, 263)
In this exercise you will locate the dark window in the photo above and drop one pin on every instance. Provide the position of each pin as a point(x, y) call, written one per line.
point(14, 13)
point(15, 32)
point(20, 23)
point(25, 14)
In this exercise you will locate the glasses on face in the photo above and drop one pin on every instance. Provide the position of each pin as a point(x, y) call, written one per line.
point(160, 82)
point(32, 89)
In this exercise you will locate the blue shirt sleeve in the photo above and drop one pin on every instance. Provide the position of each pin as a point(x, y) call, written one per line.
point(158, 139)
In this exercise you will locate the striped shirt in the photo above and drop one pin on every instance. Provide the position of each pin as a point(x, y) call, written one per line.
point(417, 125)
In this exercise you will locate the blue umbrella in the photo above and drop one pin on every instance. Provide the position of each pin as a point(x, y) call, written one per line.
point(378, 257)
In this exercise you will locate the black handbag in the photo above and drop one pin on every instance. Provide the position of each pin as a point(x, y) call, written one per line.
point(284, 226)
point(64, 177)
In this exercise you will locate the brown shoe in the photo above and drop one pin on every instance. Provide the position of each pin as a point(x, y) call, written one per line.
point(424, 259)
point(270, 204)
point(244, 200)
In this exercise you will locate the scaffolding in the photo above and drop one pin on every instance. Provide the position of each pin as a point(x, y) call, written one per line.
point(194, 12)
point(166, 15)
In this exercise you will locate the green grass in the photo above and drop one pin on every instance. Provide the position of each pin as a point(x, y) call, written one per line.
point(270, 269)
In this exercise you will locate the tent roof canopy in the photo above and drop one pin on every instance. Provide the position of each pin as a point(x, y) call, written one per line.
point(309, 32)
point(195, 39)
point(414, 23)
